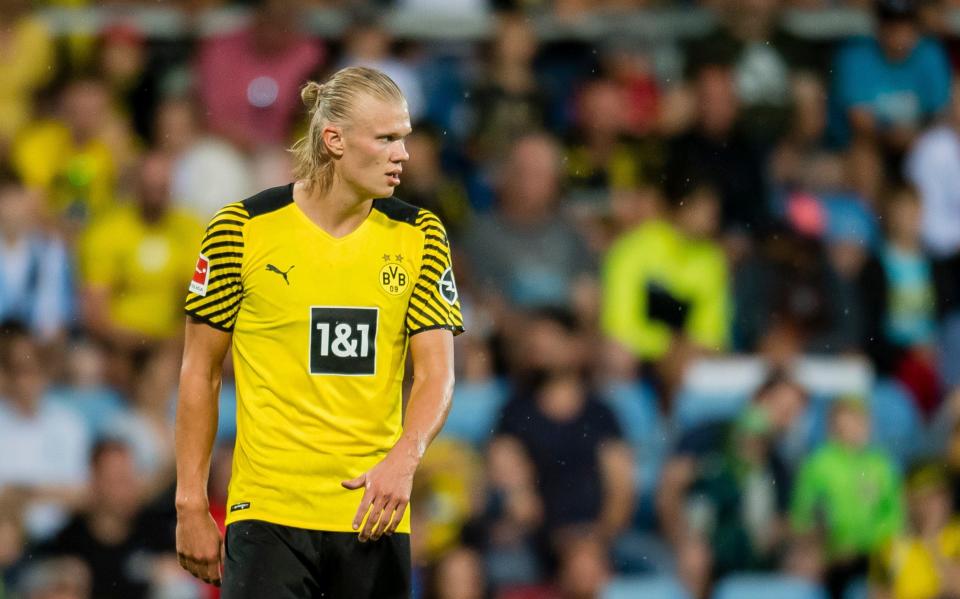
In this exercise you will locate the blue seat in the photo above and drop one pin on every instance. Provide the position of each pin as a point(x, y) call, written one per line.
point(896, 421)
point(696, 407)
point(645, 587)
point(858, 589)
point(761, 586)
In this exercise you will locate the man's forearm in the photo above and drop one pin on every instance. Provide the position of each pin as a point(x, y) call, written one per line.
point(196, 429)
point(427, 410)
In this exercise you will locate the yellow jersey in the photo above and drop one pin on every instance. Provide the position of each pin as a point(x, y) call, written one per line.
point(320, 333)
point(906, 566)
point(141, 266)
point(79, 180)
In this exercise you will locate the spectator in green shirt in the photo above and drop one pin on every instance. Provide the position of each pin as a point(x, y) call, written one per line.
point(848, 493)
point(666, 286)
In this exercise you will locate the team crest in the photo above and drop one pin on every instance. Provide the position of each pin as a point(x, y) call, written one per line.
point(394, 278)
point(448, 287)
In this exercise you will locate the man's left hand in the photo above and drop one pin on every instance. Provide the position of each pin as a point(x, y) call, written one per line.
point(387, 488)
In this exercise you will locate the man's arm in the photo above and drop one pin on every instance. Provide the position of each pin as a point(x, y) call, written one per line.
point(389, 483)
point(678, 474)
point(616, 466)
point(199, 545)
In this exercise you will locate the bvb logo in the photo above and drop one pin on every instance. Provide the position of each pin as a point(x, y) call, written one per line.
point(394, 279)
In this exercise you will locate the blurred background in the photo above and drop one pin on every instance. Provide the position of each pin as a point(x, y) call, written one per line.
point(708, 253)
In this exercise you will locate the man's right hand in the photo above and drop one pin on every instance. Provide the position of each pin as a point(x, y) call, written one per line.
point(199, 545)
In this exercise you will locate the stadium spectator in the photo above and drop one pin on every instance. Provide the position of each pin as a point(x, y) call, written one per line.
point(121, 57)
point(512, 516)
point(13, 538)
point(568, 434)
point(147, 425)
point(848, 494)
point(765, 57)
point(459, 575)
point(933, 165)
point(35, 283)
point(527, 252)
point(28, 49)
point(448, 480)
point(69, 157)
point(427, 184)
point(45, 444)
point(781, 296)
point(738, 507)
point(924, 560)
point(889, 86)
point(903, 301)
point(507, 100)
point(84, 388)
point(128, 555)
point(797, 160)
point(631, 67)
point(249, 80)
point(665, 286)
point(208, 172)
point(64, 578)
point(601, 157)
point(133, 262)
point(369, 44)
point(716, 150)
point(779, 403)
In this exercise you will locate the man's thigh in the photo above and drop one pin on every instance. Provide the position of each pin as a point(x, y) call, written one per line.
point(373, 570)
point(265, 560)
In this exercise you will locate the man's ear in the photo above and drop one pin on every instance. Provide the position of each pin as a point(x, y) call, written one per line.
point(333, 139)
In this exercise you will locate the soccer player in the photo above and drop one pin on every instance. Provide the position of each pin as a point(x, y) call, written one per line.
point(320, 288)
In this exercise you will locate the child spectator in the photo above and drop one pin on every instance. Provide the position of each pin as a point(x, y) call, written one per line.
point(849, 494)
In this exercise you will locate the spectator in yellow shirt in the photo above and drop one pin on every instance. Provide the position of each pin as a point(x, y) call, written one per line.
point(69, 158)
point(133, 264)
point(665, 285)
point(26, 64)
point(924, 562)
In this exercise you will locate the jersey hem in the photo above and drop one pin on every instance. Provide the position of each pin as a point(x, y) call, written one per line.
point(197, 317)
point(293, 523)
point(456, 330)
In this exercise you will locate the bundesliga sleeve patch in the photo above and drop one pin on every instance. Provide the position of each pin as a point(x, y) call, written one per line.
point(201, 275)
point(448, 287)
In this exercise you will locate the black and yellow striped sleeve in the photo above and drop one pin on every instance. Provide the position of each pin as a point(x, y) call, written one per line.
point(435, 303)
point(216, 288)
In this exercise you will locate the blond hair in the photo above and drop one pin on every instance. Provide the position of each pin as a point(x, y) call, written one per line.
point(332, 103)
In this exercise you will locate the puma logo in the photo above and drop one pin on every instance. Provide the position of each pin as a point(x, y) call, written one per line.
point(274, 269)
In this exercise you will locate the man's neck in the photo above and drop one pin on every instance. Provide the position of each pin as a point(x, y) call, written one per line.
point(107, 528)
point(339, 211)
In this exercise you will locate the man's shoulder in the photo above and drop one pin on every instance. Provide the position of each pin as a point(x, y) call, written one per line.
point(267, 201)
point(397, 210)
point(238, 214)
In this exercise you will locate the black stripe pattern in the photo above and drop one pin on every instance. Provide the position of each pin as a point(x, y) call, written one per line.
point(223, 247)
point(434, 303)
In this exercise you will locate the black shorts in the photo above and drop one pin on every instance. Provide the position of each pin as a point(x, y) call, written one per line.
point(267, 560)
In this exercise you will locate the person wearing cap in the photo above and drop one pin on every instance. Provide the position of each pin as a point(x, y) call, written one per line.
point(923, 562)
point(848, 494)
point(890, 85)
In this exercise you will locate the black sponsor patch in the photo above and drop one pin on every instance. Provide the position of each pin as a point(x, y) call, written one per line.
point(343, 340)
